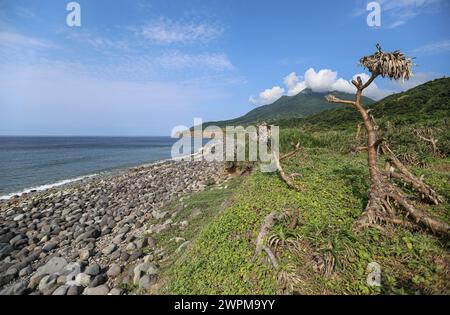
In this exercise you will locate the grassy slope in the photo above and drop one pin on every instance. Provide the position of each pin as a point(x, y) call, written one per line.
point(335, 193)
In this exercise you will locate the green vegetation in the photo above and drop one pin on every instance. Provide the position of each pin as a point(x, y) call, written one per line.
point(334, 192)
point(301, 105)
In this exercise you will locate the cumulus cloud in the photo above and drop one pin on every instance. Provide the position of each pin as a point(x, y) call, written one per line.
point(324, 80)
point(294, 84)
point(267, 96)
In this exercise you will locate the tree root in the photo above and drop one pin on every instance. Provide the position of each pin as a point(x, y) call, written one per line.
point(271, 256)
point(407, 177)
point(266, 226)
point(380, 210)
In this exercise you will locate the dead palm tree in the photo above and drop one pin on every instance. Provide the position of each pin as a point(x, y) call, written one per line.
point(385, 199)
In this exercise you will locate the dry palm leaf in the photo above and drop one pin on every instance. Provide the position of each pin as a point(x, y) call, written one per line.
point(394, 65)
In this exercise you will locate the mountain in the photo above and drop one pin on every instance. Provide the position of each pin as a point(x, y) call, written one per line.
point(301, 105)
point(427, 102)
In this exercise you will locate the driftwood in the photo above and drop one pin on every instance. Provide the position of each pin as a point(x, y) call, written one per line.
point(287, 179)
point(297, 149)
point(266, 226)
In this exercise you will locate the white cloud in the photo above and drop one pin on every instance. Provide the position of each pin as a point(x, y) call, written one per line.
point(179, 60)
point(321, 81)
point(294, 84)
point(433, 48)
point(100, 43)
point(166, 32)
point(267, 96)
point(325, 80)
point(15, 39)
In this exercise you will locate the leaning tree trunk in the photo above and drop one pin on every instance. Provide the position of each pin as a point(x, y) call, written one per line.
point(385, 197)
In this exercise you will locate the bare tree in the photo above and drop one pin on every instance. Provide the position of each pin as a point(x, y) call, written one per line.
point(385, 199)
point(427, 135)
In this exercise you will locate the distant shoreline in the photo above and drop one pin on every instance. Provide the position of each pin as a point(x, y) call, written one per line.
point(61, 184)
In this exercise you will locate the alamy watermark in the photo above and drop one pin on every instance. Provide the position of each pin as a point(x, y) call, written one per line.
point(74, 17)
point(230, 144)
point(374, 274)
point(374, 17)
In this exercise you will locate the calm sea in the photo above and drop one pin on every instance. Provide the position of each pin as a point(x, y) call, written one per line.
point(37, 163)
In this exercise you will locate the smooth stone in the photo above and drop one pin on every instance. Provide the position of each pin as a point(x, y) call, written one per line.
point(115, 255)
point(25, 271)
point(115, 291)
point(98, 280)
point(142, 269)
point(16, 289)
point(130, 247)
point(147, 281)
point(61, 279)
point(109, 249)
point(85, 254)
point(48, 284)
point(72, 270)
point(62, 290)
point(49, 246)
point(100, 290)
point(74, 290)
point(19, 217)
point(56, 265)
point(82, 279)
point(35, 280)
point(92, 270)
point(114, 270)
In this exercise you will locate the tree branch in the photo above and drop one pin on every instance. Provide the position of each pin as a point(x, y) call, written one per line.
point(333, 99)
point(296, 147)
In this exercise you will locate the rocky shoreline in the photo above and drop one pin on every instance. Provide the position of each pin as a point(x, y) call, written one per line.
point(82, 237)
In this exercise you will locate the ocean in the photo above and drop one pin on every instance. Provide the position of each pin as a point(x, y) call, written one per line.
point(38, 163)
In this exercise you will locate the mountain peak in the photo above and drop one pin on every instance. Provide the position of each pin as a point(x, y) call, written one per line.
point(304, 104)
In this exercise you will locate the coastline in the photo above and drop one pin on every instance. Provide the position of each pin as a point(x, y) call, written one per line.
point(98, 222)
point(30, 191)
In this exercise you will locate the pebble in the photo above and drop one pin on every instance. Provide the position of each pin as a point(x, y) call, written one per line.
point(92, 270)
point(114, 270)
point(109, 249)
point(75, 290)
point(100, 290)
point(85, 254)
point(62, 290)
point(101, 220)
point(83, 279)
point(147, 281)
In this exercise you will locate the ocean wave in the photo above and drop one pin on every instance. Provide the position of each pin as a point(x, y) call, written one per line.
point(46, 186)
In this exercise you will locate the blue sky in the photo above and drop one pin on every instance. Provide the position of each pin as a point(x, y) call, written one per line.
point(144, 67)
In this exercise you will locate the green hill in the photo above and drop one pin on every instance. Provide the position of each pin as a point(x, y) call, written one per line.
point(425, 103)
point(301, 105)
